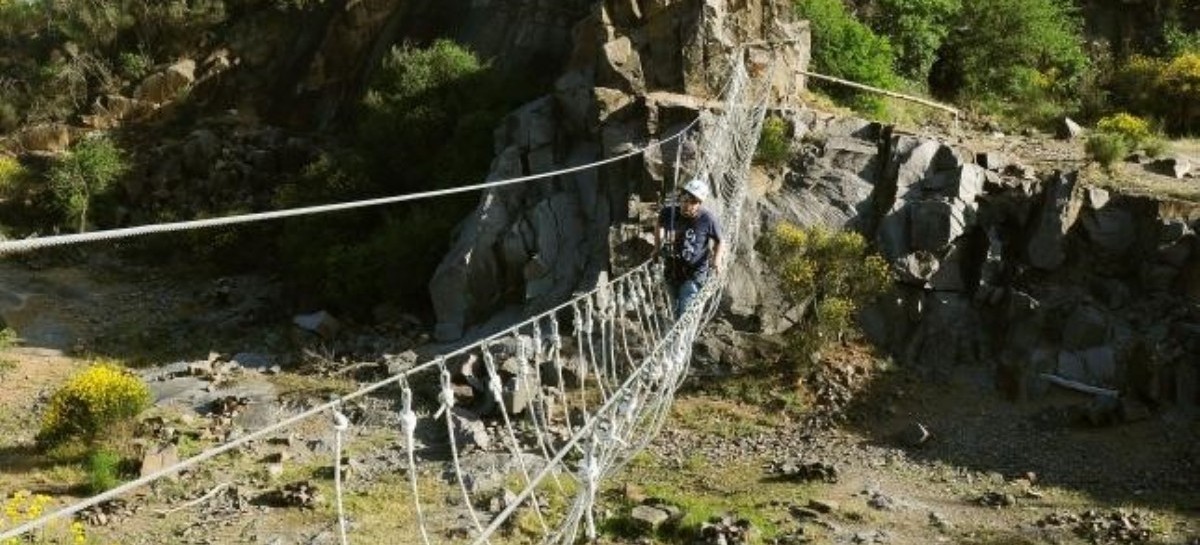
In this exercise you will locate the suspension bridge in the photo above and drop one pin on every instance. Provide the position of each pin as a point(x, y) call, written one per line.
point(624, 347)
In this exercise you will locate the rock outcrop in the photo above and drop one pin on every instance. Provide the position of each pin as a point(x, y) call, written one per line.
point(638, 72)
point(1003, 275)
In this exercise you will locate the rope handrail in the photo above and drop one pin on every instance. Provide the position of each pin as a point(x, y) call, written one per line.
point(694, 312)
point(27, 244)
point(864, 87)
point(330, 405)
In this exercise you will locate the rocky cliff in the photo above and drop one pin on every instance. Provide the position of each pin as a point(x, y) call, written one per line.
point(1005, 274)
point(639, 71)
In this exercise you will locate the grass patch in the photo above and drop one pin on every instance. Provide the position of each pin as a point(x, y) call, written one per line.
point(721, 417)
point(294, 385)
point(704, 490)
point(996, 537)
point(385, 512)
point(103, 470)
point(8, 338)
point(771, 389)
point(1121, 180)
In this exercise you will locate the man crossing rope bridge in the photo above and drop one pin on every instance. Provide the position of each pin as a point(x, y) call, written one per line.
point(682, 239)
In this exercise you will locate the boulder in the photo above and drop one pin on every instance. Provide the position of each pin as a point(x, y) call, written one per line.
point(1061, 203)
point(934, 223)
point(1068, 129)
point(1175, 167)
point(157, 459)
point(50, 138)
point(948, 335)
point(1110, 229)
point(200, 152)
point(621, 67)
point(321, 322)
point(993, 160)
point(165, 86)
point(852, 154)
point(1086, 327)
point(916, 268)
point(610, 102)
point(469, 429)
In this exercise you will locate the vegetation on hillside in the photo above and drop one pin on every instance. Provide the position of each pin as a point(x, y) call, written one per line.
point(425, 123)
point(844, 47)
point(91, 403)
point(1027, 61)
point(84, 175)
point(831, 275)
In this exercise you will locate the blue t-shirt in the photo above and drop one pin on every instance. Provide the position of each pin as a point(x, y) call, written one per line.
point(690, 236)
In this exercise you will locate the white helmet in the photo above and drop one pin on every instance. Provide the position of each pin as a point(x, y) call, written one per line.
point(698, 188)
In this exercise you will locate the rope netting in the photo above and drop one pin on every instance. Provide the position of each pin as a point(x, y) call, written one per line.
point(578, 389)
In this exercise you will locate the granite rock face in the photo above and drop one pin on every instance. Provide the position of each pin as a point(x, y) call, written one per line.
point(638, 72)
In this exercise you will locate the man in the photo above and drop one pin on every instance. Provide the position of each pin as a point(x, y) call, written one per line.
point(687, 229)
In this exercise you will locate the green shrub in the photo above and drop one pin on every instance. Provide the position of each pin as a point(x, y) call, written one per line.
point(1179, 92)
point(12, 175)
point(1132, 132)
point(385, 256)
point(84, 174)
point(427, 121)
point(916, 29)
point(1133, 129)
point(1024, 53)
point(1106, 148)
point(103, 470)
point(832, 272)
point(18, 18)
point(1134, 84)
point(845, 48)
point(774, 144)
point(10, 117)
point(101, 396)
point(1167, 89)
point(1155, 146)
point(24, 506)
point(134, 65)
point(1177, 41)
point(428, 117)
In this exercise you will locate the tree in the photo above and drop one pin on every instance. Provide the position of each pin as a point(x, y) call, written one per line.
point(845, 48)
point(832, 274)
point(1179, 88)
point(1026, 52)
point(916, 29)
point(429, 115)
point(85, 173)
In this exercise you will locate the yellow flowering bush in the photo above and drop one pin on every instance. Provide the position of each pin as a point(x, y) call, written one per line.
point(773, 142)
point(24, 506)
point(1119, 134)
point(91, 401)
point(11, 173)
point(1132, 128)
point(835, 273)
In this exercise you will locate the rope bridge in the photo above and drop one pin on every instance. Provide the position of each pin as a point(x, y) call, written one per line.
point(624, 349)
